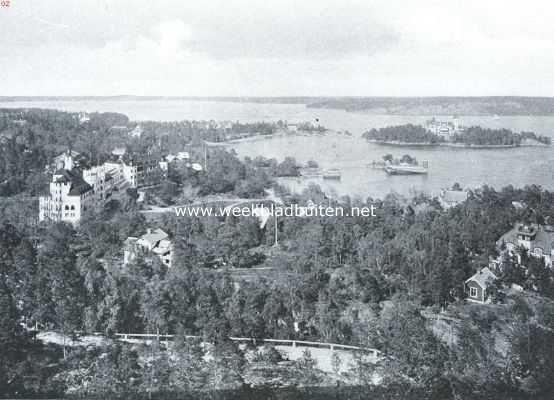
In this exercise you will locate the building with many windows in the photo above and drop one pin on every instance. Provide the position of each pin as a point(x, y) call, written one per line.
point(73, 191)
point(70, 195)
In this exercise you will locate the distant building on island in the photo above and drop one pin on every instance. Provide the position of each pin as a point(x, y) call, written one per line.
point(449, 198)
point(83, 117)
point(538, 240)
point(152, 242)
point(477, 287)
point(444, 129)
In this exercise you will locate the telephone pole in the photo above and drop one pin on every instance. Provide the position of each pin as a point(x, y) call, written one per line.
point(276, 231)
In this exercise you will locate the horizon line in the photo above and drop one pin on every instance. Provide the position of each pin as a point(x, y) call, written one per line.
point(115, 96)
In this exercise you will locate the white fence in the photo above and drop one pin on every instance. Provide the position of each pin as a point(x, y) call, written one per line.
point(277, 342)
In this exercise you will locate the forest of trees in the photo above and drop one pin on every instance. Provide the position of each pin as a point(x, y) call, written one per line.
point(473, 135)
point(476, 135)
point(351, 280)
point(408, 133)
point(31, 138)
point(337, 277)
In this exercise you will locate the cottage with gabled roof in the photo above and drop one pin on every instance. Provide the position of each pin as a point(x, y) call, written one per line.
point(478, 286)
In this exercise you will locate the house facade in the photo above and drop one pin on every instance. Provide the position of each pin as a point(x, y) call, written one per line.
point(477, 287)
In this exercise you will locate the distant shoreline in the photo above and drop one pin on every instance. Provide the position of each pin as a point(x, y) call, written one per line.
point(260, 137)
point(458, 145)
point(503, 106)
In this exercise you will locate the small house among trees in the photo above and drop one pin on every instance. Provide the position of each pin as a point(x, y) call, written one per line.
point(478, 287)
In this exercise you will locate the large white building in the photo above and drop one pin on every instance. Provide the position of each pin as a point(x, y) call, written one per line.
point(72, 192)
point(70, 195)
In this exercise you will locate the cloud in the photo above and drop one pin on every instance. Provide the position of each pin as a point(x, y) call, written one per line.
point(286, 47)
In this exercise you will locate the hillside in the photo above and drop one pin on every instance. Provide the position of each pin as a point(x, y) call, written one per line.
point(442, 105)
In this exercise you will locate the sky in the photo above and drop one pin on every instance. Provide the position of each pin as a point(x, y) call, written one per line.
point(276, 48)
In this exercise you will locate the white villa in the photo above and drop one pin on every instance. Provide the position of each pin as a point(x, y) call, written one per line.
point(155, 242)
point(537, 239)
point(445, 129)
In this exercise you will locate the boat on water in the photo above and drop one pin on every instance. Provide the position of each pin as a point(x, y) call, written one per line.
point(332, 173)
point(406, 169)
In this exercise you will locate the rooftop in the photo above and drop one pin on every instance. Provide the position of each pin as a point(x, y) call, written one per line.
point(454, 196)
point(78, 185)
point(483, 277)
point(153, 237)
point(544, 236)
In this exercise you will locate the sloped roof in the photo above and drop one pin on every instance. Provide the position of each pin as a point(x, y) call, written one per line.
point(483, 277)
point(71, 153)
point(454, 196)
point(544, 236)
point(78, 184)
point(154, 237)
point(130, 240)
point(163, 247)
